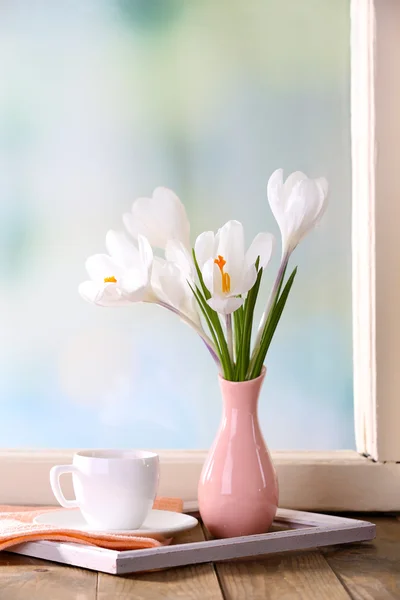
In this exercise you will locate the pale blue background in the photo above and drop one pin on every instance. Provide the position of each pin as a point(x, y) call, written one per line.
point(101, 101)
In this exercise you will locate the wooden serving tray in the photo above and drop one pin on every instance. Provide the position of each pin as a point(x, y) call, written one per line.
point(292, 530)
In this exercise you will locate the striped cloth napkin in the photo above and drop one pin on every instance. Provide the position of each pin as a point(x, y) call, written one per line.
point(17, 526)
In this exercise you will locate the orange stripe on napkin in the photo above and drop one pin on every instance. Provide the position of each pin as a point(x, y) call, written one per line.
point(16, 527)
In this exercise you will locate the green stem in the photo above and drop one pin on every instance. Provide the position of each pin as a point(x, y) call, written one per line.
point(242, 364)
point(216, 330)
point(269, 329)
point(271, 303)
point(238, 330)
point(229, 335)
point(198, 329)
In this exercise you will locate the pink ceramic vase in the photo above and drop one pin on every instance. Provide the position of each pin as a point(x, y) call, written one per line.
point(238, 488)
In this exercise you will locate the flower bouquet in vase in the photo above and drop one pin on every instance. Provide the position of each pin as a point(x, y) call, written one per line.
point(214, 288)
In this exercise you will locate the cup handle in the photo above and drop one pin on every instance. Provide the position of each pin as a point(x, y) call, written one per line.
point(55, 473)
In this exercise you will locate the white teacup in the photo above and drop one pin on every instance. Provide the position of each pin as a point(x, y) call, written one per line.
point(114, 489)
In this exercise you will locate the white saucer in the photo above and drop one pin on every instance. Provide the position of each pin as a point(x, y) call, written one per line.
point(162, 522)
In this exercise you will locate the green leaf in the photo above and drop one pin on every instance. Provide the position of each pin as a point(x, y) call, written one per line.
point(243, 354)
point(270, 327)
point(206, 293)
point(238, 329)
point(201, 302)
point(215, 327)
point(280, 283)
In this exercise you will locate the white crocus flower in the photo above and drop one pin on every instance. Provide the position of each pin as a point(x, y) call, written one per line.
point(131, 274)
point(122, 276)
point(228, 271)
point(297, 205)
point(159, 218)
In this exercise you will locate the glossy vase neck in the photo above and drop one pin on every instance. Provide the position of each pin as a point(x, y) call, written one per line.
point(241, 395)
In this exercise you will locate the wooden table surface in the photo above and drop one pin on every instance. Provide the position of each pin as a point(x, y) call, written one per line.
point(368, 571)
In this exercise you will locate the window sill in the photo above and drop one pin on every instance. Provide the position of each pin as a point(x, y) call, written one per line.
point(330, 481)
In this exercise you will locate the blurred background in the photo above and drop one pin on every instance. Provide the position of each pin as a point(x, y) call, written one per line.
point(100, 102)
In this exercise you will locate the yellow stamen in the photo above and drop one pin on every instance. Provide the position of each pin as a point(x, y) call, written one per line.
point(110, 279)
point(226, 280)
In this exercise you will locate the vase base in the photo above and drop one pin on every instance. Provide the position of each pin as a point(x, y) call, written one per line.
point(221, 527)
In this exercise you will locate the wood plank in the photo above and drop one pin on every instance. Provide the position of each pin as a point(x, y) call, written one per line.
point(300, 575)
point(22, 577)
point(193, 582)
point(295, 576)
point(370, 571)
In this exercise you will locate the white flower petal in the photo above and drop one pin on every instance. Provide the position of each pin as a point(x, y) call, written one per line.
point(90, 290)
point(177, 253)
point(145, 252)
point(190, 308)
point(159, 218)
point(165, 280)
point(231, 248)
point(292, 180)
point(175, 214)
point(323, 188)
point(102, 295)
point(205, 247)
point(275, 193)
point(297, 205)
point(156, 272)
point(249, 277)
point(135, 225)
point(303, 208)
point(323, 185)
point(112, 296)
point(101, 266)
point(173, 289)
point(211, 276)
point(121, 250)
point(224, 305)
point(133, 284)
point(262, 246)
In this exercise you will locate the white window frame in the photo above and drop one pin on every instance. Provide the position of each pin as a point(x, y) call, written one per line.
point(369, 478)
